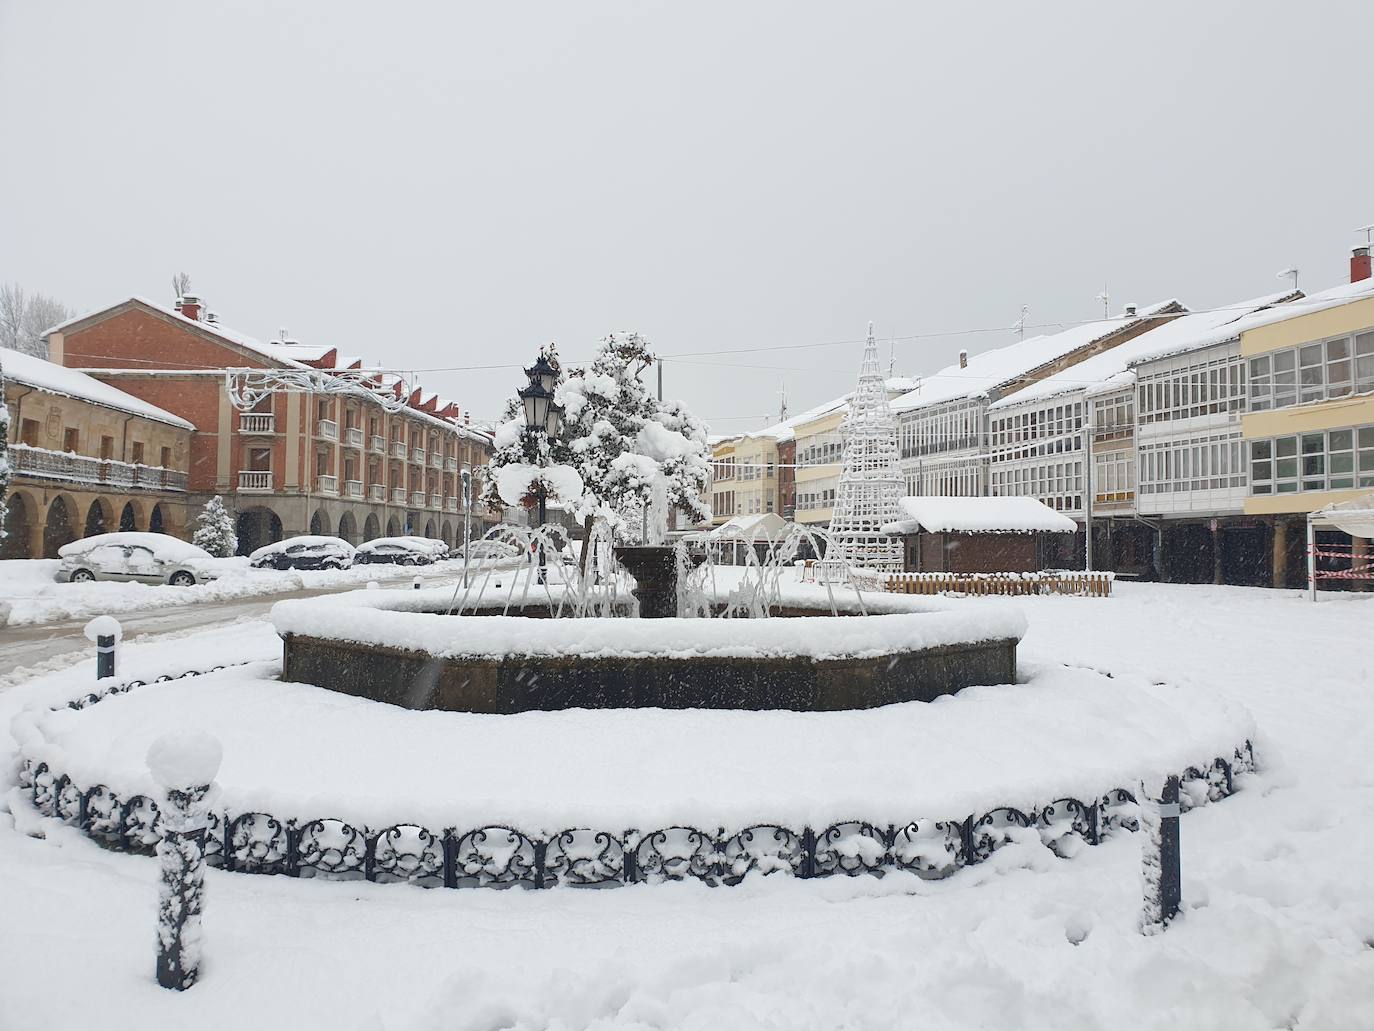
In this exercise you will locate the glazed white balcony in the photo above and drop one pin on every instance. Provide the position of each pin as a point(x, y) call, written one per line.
point(377, 444)
point(353, 488)
point(376, 492)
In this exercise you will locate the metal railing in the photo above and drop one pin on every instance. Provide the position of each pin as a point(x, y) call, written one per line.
point(255, 479)
point(60, 465)
point(257, 422)
point(328, 429)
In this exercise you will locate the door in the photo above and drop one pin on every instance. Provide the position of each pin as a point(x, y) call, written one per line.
point(143, 566)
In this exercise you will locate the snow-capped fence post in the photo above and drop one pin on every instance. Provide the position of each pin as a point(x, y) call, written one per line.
point(415, 583)
point(184, 765)
point(1160, 856)
point(105, 631)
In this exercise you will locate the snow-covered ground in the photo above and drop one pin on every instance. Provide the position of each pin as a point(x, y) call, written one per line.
point(27, 585)
point(1277, 929)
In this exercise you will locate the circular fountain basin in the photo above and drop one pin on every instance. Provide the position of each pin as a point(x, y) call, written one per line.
point(401, 647)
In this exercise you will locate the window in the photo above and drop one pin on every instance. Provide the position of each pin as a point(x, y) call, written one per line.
point(1330, 460)
point(1261, 383)
point(71, 441)
point(1339, 382)
point(1364, 362)
point(260, 459)
point(136, 452)
point(165, 458)
point(28, 432)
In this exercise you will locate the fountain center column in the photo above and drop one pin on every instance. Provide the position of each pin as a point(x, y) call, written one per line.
point(654, 568)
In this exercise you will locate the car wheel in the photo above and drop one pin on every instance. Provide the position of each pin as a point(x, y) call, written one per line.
point(82, 576)
point(181, 578)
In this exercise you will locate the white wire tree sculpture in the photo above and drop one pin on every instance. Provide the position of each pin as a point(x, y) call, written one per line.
point(870, 482)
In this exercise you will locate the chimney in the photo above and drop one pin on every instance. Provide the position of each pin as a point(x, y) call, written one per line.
point(190, 307)
point(1359, 262)
point(467, 418)
point(963, 359)
point(1130, 311)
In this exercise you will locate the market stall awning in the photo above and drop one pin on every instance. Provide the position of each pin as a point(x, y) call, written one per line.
point(979, 515)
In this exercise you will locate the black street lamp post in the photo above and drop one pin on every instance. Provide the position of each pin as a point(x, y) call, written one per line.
point(542, 415)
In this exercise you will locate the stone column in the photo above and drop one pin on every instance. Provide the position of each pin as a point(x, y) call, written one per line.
point(1280, 552)
point(1216, 553)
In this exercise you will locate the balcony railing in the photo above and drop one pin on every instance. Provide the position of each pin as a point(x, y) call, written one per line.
point(376, 492)
point(327, 484)
point(450, 465)
point(353, 437)
point(353, 488)
point(436, 501)
point(451, 504)
point(328, 429)
point(398, 495)
point(59, 465)
point(377, 444)
point(257, 422)
point(436, 460)
point(417, 454)
point(398, 450)
point(417, 498)
point(255, 479)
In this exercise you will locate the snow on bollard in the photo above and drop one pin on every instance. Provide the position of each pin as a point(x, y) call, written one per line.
point(106, 632)
point(1159, 814)
point(416, 582)
point(183, 764)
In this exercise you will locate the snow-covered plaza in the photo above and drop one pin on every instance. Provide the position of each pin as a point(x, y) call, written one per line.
point(1278, 908)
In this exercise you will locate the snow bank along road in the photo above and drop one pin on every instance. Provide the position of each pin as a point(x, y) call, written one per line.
point(1277, 929)
point(49, 645)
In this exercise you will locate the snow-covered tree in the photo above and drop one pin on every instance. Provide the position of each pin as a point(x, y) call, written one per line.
point(215, 530)
point(626, 445)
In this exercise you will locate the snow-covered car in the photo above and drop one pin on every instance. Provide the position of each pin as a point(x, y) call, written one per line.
point(400, 551)
point(486, 551)
point(305, 552)
point(150, 558)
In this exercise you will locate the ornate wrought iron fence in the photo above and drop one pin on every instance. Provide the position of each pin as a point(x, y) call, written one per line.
point(505, 856)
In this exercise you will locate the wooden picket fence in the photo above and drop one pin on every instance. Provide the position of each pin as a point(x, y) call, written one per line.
point(1087, 585)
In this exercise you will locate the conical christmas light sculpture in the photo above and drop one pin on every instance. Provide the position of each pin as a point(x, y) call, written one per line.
point(870, 483)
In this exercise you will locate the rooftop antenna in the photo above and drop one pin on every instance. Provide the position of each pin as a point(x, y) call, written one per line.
point(892, 358)
point(1106, 300)
point(1368, 234)
point(1020, 326)
point(782, 408)
point(1290, 272)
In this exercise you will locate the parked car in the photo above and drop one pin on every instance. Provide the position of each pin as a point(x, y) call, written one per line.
point(150, 558)
point(305, 552)
point(486, 551)
point(400, 551)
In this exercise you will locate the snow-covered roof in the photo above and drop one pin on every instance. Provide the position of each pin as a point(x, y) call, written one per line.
point(57, 379)
point(979, 515)
point(751, 527)
point(990, 369)
point(1109, 370)
point(1333, 297)
point(786, 430)
point(1355, 517)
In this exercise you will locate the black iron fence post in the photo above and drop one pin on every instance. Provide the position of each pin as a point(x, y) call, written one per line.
point(1160, 856)
point(184, 766)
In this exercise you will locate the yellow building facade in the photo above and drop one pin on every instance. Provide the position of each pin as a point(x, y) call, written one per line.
point(1309, 428)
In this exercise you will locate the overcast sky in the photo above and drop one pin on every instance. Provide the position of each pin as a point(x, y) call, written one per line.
point(450, 185)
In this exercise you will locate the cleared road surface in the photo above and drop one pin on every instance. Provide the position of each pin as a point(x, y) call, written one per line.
point(25, 647)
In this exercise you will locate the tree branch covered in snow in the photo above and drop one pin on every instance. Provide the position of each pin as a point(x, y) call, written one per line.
point(24, 318)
